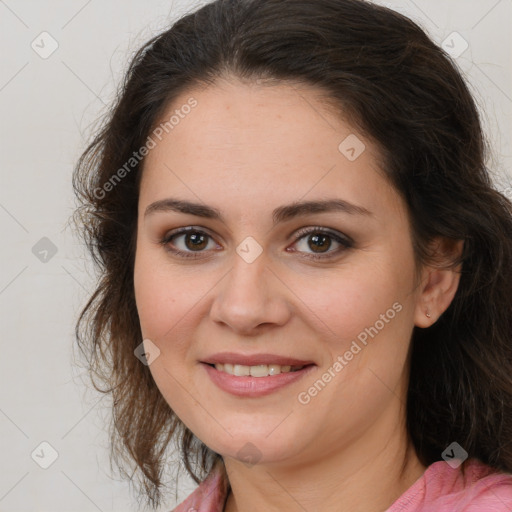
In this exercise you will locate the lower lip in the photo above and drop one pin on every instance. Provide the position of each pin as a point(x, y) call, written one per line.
point(254, 386)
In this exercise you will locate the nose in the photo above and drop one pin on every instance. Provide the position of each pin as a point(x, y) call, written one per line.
point(251, 296)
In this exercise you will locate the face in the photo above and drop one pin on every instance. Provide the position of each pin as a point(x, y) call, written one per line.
point(311, 307)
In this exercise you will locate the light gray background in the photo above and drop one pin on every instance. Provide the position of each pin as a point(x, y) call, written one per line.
point(47, 110)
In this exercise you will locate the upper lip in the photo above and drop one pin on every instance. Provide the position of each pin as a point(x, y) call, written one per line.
point(254, 359)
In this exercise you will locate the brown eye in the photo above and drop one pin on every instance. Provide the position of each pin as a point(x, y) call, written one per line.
point(195, 241)
point(186, 242)
point(316, 242)
point(320, 242)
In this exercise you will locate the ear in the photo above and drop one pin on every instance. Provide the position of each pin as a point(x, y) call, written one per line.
point(438, 286)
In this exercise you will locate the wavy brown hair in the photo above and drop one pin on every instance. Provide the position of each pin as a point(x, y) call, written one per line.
point(407, 96)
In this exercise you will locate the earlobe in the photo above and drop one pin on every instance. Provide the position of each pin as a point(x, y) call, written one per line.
point(439, 286)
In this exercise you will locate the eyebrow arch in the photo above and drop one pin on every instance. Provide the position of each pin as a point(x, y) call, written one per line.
point(280, 214)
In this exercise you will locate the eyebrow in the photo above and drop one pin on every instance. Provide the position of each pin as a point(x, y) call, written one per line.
point(280, 214)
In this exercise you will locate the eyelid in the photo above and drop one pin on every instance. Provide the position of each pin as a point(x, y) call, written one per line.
point(345, 241)
point(341, 237)
point(166, 239)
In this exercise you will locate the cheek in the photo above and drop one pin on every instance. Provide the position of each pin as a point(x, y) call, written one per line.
point(366, 317)
point(352, 299)
point(162, 297)
point(151, 299)
point(162, 307)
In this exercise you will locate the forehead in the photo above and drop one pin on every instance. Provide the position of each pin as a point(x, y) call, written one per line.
point(261, 141)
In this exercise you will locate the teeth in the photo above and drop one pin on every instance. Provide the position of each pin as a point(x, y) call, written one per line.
point(241, 371)
point(261, 370)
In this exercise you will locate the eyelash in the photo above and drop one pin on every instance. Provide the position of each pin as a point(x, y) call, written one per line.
point(345, 242)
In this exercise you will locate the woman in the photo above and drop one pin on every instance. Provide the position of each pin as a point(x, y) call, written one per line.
point(305, 266)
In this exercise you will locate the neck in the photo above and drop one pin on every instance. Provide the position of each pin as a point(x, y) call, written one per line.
point(365, 475)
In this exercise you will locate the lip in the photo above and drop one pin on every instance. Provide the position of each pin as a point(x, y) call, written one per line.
point(254, 359)
point(254, 387)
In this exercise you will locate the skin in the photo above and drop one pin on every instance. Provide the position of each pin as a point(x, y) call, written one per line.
point(246, 149)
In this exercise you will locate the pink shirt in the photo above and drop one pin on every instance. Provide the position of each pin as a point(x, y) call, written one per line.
point(440, 489)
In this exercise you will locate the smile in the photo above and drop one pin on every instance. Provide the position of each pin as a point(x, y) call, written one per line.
point(256, 380)
point(260, 370)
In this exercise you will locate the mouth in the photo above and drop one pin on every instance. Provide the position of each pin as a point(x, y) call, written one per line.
point(260, 370)
point(255, 375)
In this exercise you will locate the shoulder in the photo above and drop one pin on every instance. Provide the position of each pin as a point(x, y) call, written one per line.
point(209, 496)
point(486, 489)
point(471, 487)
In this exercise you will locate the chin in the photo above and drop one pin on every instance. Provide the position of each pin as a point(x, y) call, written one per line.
point(255, 445)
